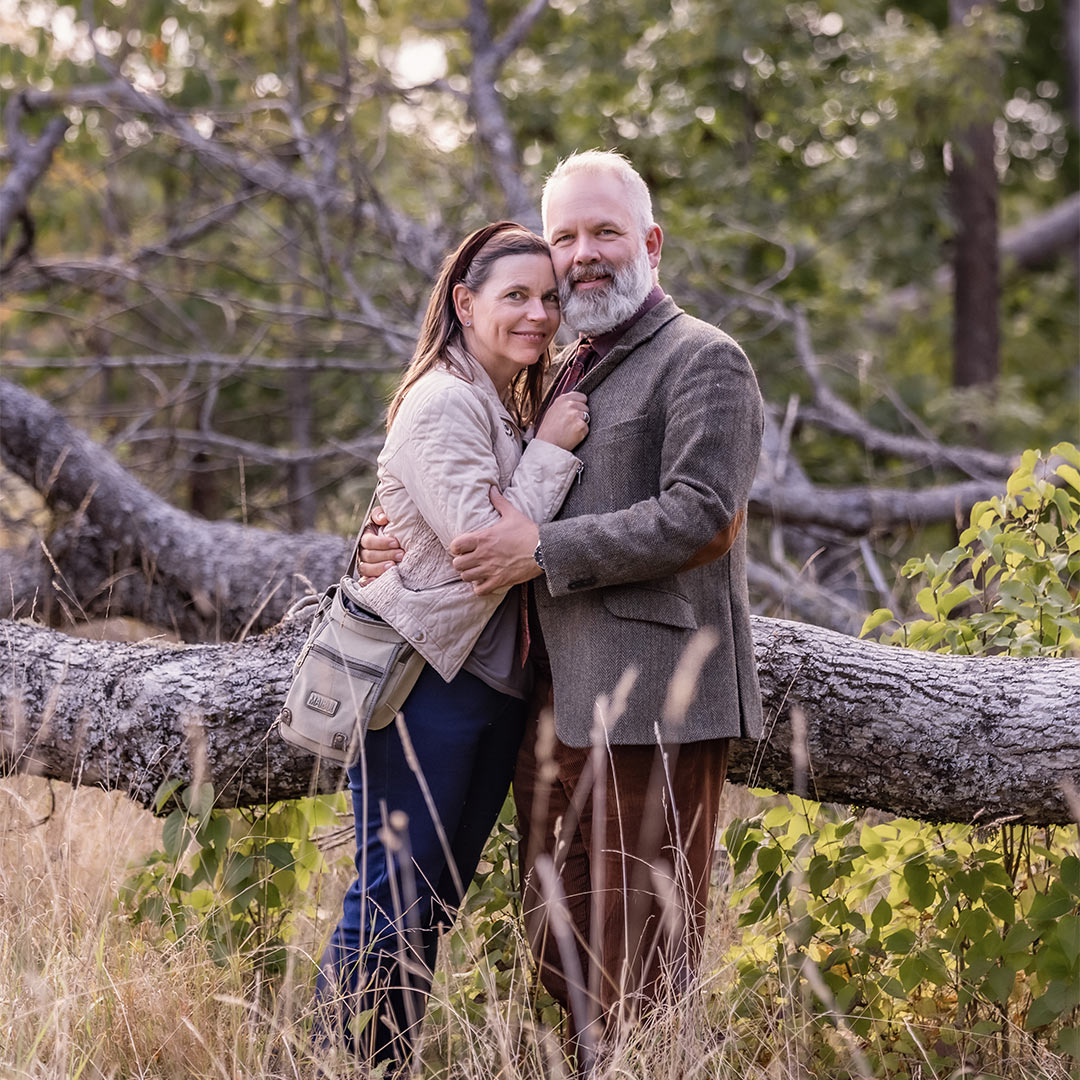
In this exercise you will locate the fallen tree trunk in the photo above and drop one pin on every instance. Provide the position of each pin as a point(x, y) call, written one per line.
point(123, 550)
point(919, 734)
point(120, 549)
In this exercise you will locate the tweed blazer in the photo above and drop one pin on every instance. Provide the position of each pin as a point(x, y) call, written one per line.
point(676, 425)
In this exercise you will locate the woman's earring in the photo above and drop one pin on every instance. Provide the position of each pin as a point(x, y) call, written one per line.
point(468, 322)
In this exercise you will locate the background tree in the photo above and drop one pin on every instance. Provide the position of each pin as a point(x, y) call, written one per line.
point(223, 223)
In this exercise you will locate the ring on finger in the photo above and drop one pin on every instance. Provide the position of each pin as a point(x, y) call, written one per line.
point(585, 416)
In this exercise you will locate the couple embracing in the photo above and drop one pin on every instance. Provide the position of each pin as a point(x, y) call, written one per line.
point(586, 624)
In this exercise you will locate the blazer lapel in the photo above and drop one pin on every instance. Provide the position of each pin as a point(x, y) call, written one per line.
point(645, 328)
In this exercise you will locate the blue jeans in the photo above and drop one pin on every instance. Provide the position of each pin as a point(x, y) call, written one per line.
point(466, 737)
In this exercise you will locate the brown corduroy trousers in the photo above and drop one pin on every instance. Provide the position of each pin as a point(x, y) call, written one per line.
point(616, 853)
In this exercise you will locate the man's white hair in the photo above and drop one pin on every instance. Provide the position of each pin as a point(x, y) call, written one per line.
point(604, 161)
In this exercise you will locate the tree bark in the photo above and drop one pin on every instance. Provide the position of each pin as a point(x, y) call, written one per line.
point(927, 735)
point(1070, 18)
point(918, 734)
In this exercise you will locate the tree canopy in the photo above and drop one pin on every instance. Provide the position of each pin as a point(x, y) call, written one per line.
point(220, 222)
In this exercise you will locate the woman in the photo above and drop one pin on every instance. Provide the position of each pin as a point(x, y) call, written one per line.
point(455, 428)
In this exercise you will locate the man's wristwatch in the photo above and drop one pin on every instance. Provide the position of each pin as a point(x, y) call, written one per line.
point(538, 556)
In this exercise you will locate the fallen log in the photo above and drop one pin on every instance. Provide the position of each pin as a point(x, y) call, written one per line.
point(919, 734)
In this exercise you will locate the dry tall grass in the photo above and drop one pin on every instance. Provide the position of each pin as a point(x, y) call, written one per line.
point(85, 994)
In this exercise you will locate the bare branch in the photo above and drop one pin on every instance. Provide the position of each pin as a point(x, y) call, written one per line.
point(363, 450)
point(415, 242)
point(31, 161)
point(1031, 245)
point(233, 363)
point(518, 30)
point(486, 107)
point(831, 411)
point(795, 594)
point(1036, 242)
point(862, 509)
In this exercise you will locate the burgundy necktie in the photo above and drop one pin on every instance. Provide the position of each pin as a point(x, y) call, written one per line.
point(572, 374)
point(584, 355)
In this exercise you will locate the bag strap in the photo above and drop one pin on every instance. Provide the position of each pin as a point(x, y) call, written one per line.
point(355, 557)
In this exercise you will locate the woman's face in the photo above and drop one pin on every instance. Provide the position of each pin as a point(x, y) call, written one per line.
point(513, 315)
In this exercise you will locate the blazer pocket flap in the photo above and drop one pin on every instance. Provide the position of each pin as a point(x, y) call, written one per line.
point(650, 605)
point(624, 429)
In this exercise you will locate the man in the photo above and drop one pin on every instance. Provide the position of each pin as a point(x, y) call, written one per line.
point(649, 643)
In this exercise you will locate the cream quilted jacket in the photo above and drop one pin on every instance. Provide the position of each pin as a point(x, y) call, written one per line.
point(451, 440)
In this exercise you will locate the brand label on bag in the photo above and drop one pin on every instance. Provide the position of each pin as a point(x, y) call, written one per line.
point(321, 703)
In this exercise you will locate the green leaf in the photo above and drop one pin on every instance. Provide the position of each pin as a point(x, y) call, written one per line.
point(900, 942)
point(1068, 1041)
point(215, 832)
point(768, 859)
point(921, 891)
point(912, 971)
point(802, 930)
point(1051, 905)
point(238, 871)
point(199, 800)
point(1000, 901)
point(1048, 532)
point(164, 793)
point(882, 913)
point(174, 833)
point(1069, 475)
point(1070, 874)
point(1046, 1009)
point(776, 816)
point(820, 874)
point(998, 984)
point(927, 600)
point(1058, 957)
point(322, 813)
point(1068, 451)
point(875, 619)
point(280, 855)
point(949, 599)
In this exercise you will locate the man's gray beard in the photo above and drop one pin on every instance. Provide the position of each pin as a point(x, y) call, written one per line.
point(590, 313)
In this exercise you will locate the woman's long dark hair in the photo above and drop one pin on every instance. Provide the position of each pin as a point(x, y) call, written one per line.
point(470, 265)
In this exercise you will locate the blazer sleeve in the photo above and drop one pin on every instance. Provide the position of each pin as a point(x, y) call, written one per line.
point(709, 453)
point(446, 462)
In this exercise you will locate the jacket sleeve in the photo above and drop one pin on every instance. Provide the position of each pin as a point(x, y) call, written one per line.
point(709, 453)
point(447, 464)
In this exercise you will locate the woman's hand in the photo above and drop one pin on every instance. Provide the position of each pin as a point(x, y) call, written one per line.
point(566, 421)
point(379, 550)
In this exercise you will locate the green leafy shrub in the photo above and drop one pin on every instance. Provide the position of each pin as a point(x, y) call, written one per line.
point(935, 947)
point(238, 878)
point(1010, 585)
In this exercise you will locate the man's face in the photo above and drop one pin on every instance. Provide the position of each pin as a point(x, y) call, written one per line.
point(603, 263)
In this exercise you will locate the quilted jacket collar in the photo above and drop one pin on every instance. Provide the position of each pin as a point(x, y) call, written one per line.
point(479, 377)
